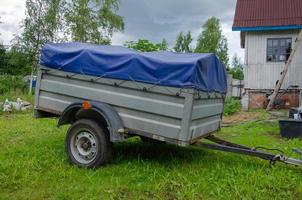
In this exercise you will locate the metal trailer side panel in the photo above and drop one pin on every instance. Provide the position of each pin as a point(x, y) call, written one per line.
point(206, 116)
point(164, 113)
point(152, 112)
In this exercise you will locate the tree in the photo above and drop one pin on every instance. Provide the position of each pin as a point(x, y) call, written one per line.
point(179, 41)
point(144, 45)
point(40, 26)
point(211, 40)
point(61, 20)
point(237, 68)
point(79, 20)
point(17, 63)
point(13, 62)
point(183, 43)
point(163, 46)
point(54, 19)
point(3, 60)
point(93, 20)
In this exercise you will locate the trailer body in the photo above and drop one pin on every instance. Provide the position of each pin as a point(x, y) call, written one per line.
point(110, 93)
point(170, 114)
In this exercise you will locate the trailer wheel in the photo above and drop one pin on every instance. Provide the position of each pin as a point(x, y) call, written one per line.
point(87, 144)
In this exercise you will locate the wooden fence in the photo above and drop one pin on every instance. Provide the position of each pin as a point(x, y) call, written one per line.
point(235, 87)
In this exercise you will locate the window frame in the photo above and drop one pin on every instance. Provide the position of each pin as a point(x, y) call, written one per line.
point(276, 50)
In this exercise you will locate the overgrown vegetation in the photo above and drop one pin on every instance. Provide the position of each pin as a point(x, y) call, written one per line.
point(34, 166)
point(10, 83)
point(14, 62)
point(231, 106)
point(144, 45)
point(237, 68)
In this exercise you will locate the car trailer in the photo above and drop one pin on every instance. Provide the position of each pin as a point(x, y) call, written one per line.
point(109, 93)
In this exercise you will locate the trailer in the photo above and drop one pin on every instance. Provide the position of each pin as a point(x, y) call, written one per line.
point(110, 93)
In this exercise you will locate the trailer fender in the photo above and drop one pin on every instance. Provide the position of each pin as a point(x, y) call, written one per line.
point(98, 111)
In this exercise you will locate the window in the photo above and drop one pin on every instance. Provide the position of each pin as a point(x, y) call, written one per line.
point(278, 49)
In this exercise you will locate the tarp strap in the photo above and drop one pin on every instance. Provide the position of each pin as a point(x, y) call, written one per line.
point(179, 92)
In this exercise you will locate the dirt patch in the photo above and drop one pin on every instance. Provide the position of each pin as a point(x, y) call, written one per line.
point(242, 117)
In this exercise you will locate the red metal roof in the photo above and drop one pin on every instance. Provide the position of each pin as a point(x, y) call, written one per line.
point(263, 13)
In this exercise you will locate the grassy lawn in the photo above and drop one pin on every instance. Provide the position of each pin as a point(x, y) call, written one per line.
point(33, 165)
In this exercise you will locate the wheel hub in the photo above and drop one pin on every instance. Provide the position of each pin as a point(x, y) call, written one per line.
point(84, 147)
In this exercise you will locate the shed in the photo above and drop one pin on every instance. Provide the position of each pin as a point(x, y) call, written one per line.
point(268, 30)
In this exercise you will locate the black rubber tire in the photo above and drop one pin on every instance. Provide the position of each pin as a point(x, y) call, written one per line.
point(105, 151)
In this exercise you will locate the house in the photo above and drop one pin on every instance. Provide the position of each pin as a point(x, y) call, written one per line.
point(268, 30)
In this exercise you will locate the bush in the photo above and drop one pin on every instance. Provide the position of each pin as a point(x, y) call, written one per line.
point(10, 83)
point(231, 106)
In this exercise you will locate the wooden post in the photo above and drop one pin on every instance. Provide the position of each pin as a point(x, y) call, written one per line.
point(284, 72)
point(31, 83)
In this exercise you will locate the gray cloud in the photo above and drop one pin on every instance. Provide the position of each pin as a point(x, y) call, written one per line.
point(158, 19)
point(150, 19)
point(2, 12)
point(11, 12)
point(10, 27)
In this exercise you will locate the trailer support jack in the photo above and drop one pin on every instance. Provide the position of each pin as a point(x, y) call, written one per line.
point(222, 145)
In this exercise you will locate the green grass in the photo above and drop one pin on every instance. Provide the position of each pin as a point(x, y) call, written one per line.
point(33, 165)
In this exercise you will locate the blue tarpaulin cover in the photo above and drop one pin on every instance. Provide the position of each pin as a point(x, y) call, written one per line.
point(201, 71)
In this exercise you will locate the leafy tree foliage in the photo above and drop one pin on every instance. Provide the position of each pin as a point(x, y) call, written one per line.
point(41, 25)
point(183, 43)
point(237, 68)
point(93, 20)
point(3, 60)
point(212, 40)
point(13, 62)
point(61, 20)
point(54, 19)
point(18, 62)
point(144, 45)
point(164, 45)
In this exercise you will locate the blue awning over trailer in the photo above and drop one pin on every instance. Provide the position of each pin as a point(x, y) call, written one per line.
point(201, 71)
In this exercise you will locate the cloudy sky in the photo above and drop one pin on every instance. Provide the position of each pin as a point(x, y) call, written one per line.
point(150, 19)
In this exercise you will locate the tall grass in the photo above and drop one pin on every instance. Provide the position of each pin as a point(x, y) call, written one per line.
point(13, 87)
point(10, 83)
point(231, 106)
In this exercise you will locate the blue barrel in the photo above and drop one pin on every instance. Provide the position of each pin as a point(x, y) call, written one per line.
point(34, 82)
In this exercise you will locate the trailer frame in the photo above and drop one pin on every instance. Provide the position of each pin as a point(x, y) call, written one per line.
point(225, 146)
